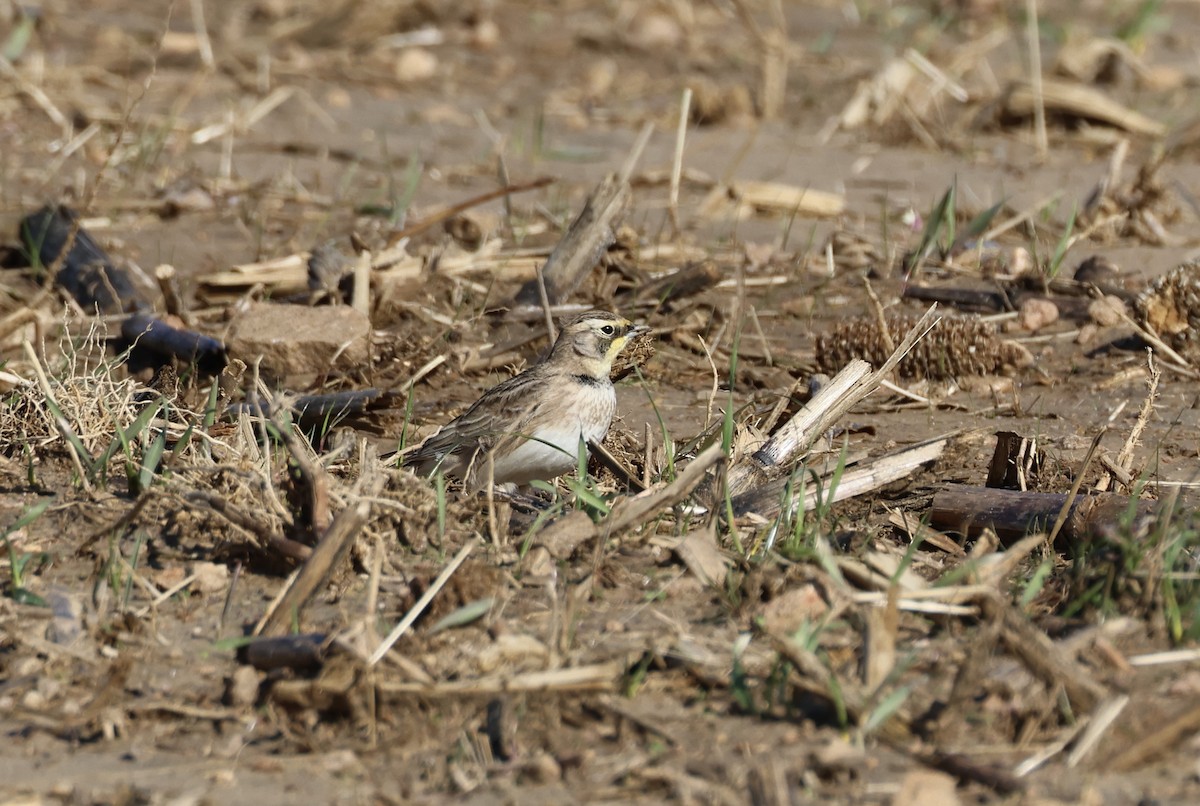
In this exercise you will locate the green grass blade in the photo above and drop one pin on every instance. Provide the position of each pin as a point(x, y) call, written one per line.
point(935, 227)
point(151, 460)
point(884, 711)
point(1064, 243)
point(85, 457)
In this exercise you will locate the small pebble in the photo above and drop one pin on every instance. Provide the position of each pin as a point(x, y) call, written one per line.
point(538, 563)
point(210, 577)
point(1096, 269)
point(1037, 314)
point(1019, 261)
point(1107, 311)
point(415, 64)
point(655, 31)
point(241, 687)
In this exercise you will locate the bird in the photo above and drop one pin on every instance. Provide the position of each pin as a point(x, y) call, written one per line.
point(530, 427)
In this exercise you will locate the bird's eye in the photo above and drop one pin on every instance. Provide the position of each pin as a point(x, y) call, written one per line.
point(608, 330)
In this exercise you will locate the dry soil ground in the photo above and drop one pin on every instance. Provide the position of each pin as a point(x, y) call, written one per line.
point(633, 669)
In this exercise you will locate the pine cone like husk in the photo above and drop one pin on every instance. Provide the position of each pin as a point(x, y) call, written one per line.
point(956, 348)
point(1170, 306)
point(635, 355)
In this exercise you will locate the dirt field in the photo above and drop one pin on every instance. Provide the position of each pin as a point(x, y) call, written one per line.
point(843, 164)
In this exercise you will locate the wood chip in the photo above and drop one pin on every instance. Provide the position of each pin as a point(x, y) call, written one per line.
point(1079, 101)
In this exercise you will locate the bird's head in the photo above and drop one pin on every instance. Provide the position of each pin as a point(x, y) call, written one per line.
point(594, 340)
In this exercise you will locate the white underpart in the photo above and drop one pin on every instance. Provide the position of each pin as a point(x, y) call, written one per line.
point(550, 452)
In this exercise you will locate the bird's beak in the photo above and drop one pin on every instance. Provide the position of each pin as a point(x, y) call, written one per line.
point(637, 330)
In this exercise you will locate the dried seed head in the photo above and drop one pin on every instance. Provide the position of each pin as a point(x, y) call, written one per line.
point(635, 355)
point(1170, 307)
point(953, 349)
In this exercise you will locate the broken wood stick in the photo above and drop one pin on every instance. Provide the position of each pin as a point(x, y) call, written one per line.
point(445, 213)
point(686, 282)
point(1044, 659)
point(583, 244)
point(309, 488)
point(791, 442)
point(982, 300)
point(768, 501)
point(1158, 741)
point(329, 552)
point(967, 770)
point(1012, 514)
point(565, 535)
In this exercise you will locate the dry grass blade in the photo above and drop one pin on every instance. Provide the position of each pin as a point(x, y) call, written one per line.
point(36, 94)
point(1100, 721)
point(1159, 741)
point(685, 105)
point(79, 454)
point(331, 549)
point(419, 607)
point(1042, 657)
point(599, 677)
point(1034, 42)
point(766, 499)
point(1080, 101)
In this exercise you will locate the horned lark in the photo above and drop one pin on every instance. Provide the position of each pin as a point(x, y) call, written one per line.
point(530, 426)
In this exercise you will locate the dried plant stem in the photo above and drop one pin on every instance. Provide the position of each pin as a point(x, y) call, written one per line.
point(68, 434)
point(685, 105)
point(1124, 460)
point(333, 546)
point(202, 38)
point(565, 535)
point(360, 297)
point(600, 677)
point(877, 306)
point(1065, 512)
point(311, 482)
point(635, 153)
point(504, 193)
point(762, 337)
point(1045, 659)
point(417, 609)
point(1033, 39)
point(1150, 337)
point(1021, 217)
point(36, 95)
point(372, 604)
point(847, 388)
